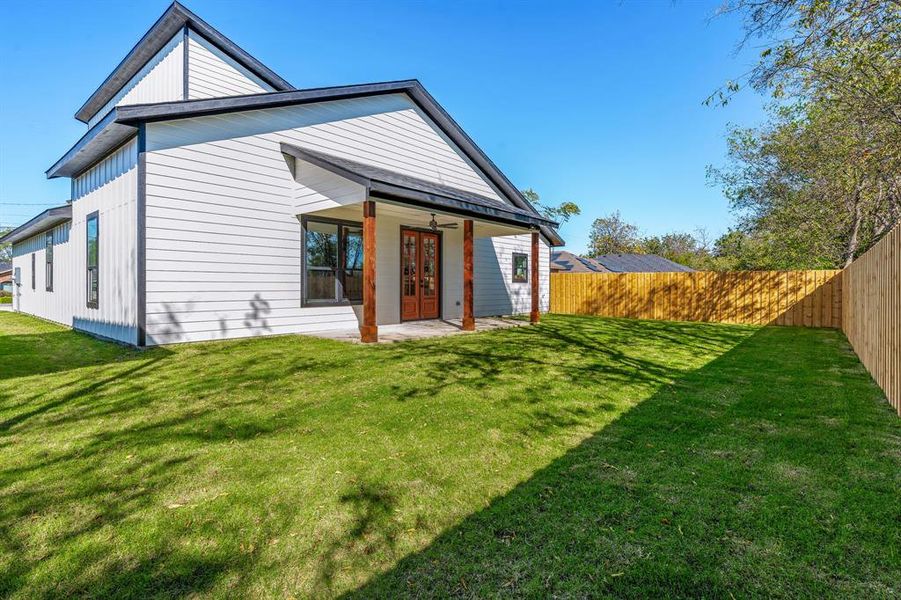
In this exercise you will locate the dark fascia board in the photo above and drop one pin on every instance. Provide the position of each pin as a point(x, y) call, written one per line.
point(42, 222)
point(405, 195)
point(169, 24)
point(419, 197)
point(99, 141)
point(166, 111)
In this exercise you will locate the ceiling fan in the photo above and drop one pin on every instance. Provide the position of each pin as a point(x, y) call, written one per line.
point(435, 224)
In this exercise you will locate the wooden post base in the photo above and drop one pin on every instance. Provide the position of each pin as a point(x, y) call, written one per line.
point(369, 334)
point(534, 316)
point(469, 324)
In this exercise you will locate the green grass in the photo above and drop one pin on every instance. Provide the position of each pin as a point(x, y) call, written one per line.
point(581, 457)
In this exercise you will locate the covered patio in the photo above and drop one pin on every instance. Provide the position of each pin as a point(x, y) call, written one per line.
point(403, 252)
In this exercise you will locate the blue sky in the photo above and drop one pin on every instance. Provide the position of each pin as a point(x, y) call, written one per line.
point(599, 103)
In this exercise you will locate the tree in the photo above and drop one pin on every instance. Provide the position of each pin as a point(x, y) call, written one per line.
point(612, 235)
point(560, 213)
point(684, 248)
point(6, 250)
point(821, 181)
point(810, 187)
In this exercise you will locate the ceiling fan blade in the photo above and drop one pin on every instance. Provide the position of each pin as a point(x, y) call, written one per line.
point(449, 225)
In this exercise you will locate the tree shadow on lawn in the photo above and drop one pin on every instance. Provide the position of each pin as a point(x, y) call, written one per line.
point(773, 470)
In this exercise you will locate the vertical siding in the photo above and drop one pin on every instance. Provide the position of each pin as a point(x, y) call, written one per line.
point(213, 74)
point(57, 305)
point(114, 196)
point(160, 80)
point(110, 188)
point(495, 292)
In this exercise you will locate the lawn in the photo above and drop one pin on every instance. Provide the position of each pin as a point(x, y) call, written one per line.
point(580, 457)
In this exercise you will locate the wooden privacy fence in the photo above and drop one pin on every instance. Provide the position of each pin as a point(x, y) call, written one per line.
point(872, 313)
point(799, 298)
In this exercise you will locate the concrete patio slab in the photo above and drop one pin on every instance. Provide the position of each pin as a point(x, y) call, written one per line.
point(417, 330)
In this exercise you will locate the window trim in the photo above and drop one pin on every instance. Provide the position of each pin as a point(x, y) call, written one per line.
point(48, 261)
point(96, 304)
point(304, 302)
point(513, 278)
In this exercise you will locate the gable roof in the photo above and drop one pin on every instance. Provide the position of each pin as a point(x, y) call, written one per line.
point(393, 185)
point(42, 222)
point(123, 122)
point(640, 263)
point(567, 261)
point(171, 22)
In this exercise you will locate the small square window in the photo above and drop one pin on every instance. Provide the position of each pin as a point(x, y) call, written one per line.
point(520, 268)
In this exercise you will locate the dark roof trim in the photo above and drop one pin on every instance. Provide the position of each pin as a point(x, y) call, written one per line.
point(99, 141)
point(167, 111)
point(42, 222)
point(168, 25)
point(409, 190)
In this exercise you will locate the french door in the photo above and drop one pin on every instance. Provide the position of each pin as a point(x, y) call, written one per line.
point(419, 275)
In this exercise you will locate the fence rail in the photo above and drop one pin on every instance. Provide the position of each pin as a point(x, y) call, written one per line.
point(791, 298)
point(872, 313)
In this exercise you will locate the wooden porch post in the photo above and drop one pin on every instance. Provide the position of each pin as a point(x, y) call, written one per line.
point(369, 331)
point(534, 316)
point(469, 322)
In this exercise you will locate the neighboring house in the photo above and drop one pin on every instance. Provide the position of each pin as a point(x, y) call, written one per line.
point(211, 199)
point(6, 277)
point(567, 262)
point(639, 263)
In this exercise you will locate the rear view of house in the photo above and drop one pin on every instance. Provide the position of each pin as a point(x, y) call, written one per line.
point(211, 200)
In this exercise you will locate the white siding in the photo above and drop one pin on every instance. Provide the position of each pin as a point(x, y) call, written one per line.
point(319, 189)
point(213, 74)
point(160, 80)
point(223, 235)
point(386, 131)
point(495, 292)
point(57, 305)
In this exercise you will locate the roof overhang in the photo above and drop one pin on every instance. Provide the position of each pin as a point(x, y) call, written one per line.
point(390, 185)
point(174, 19)
point(93, 146)
point(168, 111)
point(44, 221)
point(100, 140)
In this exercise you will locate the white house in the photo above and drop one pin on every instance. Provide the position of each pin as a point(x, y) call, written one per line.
point(211, 199)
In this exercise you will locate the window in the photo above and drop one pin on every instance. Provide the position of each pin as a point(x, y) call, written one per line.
point(48, 262)
point(92, 228)
point(333, 261)
point(520, 268)
point(33, 272)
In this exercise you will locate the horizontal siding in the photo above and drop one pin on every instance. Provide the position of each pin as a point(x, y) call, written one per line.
point(319, 189)
point(495, 293)
point(385, 131)
point(160, 80)
point(213, 74)
point(223, 233)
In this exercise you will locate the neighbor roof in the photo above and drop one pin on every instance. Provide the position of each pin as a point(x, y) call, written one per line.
point(44, 221)
point(173, 20)
point(640, 263)
point(394, 185)
point(569, 262)
point(123, 122)
point(5, 267)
